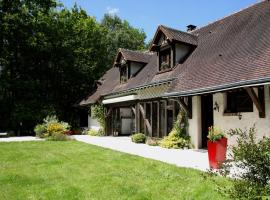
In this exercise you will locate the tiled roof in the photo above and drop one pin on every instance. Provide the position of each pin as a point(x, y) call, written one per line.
point(176, 35)
point(108, 81)
point(111, 79)
point(231, 50)
point(135, 56)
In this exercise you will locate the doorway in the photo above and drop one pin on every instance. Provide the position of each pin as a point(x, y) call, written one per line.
point(207, 116)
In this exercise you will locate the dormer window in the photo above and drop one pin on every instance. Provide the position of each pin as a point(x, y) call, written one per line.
point(130, 63)
point(173, 47)
point(123, 73)
point(165, 59)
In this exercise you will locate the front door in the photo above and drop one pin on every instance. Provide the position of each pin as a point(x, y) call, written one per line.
point(207, 116)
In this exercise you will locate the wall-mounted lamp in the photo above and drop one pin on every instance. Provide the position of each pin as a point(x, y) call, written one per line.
point(240, 116)
point(216, 107)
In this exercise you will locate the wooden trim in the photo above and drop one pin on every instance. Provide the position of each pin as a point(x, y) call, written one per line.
point(174, 54)
point(146, 121)
point(173, 104)
point(158, 119)
point(256, 101)
point(165, 118)
point(151, 114)
point(190, 106)
point(144, 116)
point(133, 110)
point(183, 105)
point(108, 113)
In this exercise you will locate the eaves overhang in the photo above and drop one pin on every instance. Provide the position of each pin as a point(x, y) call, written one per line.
point(220, 88)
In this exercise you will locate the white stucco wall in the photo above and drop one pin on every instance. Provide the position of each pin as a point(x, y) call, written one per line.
point(180, 52)
point(93, 123)
point(229, 122)
point(135, 67)
point(194, 128)
point(248, 118)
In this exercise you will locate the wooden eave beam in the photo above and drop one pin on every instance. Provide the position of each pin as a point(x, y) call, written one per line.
point(256, 101)
point(108, 113)
point(133, 110)
point(184, 106)
point(146, 121)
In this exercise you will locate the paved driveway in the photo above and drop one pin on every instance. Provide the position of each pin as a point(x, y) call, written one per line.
point(197, 159)
point(20, 139)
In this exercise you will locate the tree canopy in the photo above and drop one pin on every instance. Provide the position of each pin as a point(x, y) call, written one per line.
point(50, 57)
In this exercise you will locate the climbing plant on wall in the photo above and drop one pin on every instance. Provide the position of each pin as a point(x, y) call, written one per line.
point(98, 113)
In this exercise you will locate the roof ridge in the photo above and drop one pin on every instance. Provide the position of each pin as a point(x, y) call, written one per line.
point(136, 51)
point(229, 15)
point(174, 29)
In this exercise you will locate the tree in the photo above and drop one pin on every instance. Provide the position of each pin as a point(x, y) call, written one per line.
point(120, 34)
point(50, 57)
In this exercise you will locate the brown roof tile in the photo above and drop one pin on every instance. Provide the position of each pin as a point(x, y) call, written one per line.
point(135, 56)
point(231, 50)
point(177, 35)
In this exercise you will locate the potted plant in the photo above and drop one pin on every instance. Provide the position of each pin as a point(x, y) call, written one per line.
point(217, 147)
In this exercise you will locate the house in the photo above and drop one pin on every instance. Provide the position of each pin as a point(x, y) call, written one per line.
point(219, 74)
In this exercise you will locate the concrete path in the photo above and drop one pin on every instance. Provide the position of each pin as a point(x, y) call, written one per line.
point(20, 139)
point(197, 159)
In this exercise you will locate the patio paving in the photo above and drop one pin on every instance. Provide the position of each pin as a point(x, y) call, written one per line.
point(191, 158)
point(20, 139)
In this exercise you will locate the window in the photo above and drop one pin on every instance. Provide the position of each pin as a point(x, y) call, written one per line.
point(123, 74)
point(239, 101)
point(165, 60)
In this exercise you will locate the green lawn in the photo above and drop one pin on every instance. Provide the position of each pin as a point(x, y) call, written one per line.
point(73, 170)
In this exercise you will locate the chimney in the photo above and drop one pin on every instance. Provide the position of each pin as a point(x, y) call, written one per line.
point(191, 28)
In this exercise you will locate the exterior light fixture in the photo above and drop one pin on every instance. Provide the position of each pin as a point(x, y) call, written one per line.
point(216, 107)
point(240, 116)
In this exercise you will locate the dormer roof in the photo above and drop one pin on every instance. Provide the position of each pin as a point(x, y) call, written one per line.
point(135, 56)
point(173, 35)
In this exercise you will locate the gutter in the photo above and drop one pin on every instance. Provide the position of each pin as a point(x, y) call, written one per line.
point(139, 87)
point(220, 88)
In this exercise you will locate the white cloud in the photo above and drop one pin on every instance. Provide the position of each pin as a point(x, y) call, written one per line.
point(112, 11)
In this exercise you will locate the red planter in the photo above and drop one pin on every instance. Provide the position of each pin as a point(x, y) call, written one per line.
point(217, 152)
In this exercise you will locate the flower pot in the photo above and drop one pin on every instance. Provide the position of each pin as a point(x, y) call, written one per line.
point(217, 152)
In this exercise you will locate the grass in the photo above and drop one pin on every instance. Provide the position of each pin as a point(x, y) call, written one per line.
point(73, 170)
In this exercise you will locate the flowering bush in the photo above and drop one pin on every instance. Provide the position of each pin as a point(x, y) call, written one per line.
point(52, 127)
point(55, 127)
point(215, 133)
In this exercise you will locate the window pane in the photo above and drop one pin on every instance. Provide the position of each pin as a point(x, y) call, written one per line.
point(164, 59)
point(239, 101)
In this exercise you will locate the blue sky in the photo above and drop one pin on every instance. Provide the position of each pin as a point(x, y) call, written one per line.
point(148, 14)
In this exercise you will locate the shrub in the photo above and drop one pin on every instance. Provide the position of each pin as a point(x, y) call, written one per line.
point(58, 137)
point(55, 127)
point(174, 141)
point(40, 129)
point(251, 159)
point(138, 138)
point(152, 141)
point(52, 127)
point(178, 137)
point(94, 132)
